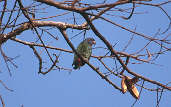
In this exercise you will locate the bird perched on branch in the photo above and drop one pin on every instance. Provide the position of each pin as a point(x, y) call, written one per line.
point(85, 50)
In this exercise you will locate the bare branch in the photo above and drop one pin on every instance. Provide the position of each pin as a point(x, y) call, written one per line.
point(122, 54)
point(79, 17)
point(95, 69)
point(53, 65)
point(27, 26)
point(118, 58)
point(6, 86)
point(2, 101)
point(3, 12)
point(38, 57)
point(59, 5)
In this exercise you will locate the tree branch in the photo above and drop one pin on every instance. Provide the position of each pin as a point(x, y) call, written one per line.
point(95, 69)
point(113, 52)
point(27, 25)
point(122, 54)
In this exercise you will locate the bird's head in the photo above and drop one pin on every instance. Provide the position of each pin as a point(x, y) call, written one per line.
point(90, 41)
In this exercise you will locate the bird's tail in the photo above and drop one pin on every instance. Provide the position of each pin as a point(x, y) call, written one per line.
point(74, 66)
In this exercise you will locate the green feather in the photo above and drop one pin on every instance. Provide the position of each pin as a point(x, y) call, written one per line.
point(85, 50)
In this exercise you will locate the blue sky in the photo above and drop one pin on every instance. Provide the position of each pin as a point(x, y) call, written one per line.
point(84, 87)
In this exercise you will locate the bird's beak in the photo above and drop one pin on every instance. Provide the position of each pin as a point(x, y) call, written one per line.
point(94, 42)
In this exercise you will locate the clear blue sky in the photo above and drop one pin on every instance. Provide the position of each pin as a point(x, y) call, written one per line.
point(84, 87)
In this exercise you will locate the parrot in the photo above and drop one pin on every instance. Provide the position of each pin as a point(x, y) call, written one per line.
point(85, 50)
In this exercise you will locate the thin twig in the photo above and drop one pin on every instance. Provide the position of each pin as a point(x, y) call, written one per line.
point(95, 69)
point(2, 101)
point(38, 57)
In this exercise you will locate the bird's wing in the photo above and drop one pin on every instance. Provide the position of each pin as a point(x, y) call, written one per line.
point(85, 50)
